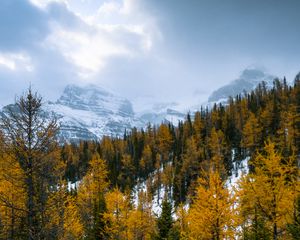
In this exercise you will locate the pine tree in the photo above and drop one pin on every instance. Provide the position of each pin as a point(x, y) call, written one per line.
point(165, 221)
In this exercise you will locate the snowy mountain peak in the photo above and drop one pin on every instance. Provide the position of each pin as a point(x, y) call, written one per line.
point(90, 112)
point(247, 81)
point(96, 99)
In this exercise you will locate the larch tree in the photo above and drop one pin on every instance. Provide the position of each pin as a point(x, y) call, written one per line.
point(65, 222)
point(182, 221)
point(268, 194)
point(251, 134)
point(91, 198)
point(30, 136)
point(212, 214)
point(141, 221)
point(12, 197)
point(217, 147)
point(117, 214)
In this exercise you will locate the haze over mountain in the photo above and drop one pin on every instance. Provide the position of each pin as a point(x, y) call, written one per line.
point(91, 112)
point(246, 82)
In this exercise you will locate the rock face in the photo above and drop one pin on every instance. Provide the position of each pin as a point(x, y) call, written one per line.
point(91, 112)
point(249, 80)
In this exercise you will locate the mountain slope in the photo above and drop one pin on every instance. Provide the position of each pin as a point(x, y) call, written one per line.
point(247, 81)
point(91, 112)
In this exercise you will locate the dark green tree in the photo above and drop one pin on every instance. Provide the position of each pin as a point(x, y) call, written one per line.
point(165, 221)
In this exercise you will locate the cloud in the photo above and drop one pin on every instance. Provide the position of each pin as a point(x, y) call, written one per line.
point(88, 51)
point(43, 4)
point(15, 62)
point(59, 41)
point(88, 39)
point(21, 25)
point(141, 47)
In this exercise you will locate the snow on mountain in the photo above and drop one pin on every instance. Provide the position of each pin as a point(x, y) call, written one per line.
point(151, 111)
point(248, 80)
point(91, 112)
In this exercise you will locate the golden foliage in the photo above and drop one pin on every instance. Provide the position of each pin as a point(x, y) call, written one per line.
point(270, 190)
point(212, 214)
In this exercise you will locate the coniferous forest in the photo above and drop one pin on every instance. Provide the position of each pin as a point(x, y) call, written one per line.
point(89, 190)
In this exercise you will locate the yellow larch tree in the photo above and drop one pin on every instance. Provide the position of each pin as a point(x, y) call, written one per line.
point(251, 133)
point(117, 214)
point(182, 221)
point(12, 197)
point(141, 221)
point(91, 199)
point(64, 218)
point(268, 194)
point(212, 214)
point(217, 148)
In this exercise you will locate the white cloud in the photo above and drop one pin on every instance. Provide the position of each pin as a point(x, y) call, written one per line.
point(16, 61)
point(117, 28)
point(44, 3)
point(88, 51)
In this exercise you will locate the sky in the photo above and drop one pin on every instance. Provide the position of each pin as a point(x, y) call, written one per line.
point(145, 50)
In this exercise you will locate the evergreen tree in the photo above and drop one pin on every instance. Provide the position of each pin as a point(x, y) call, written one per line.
point(165, 221)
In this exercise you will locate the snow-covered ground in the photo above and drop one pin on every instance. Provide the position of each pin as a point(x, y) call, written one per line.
point(239, 170)
point(158, 195)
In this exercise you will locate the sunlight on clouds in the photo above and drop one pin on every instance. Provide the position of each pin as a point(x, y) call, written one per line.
point(87, 51)
point(116, 28)
point(43, 3)
point(16, 62)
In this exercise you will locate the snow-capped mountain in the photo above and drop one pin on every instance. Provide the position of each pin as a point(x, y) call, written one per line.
point(150, 111)
point(91, 112)
point(248, 80)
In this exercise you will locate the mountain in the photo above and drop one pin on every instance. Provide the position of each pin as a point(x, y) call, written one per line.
point(91, 112)
point(248, 80)
point(148, 110)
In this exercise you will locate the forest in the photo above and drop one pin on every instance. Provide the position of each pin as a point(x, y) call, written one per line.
point(89, 190)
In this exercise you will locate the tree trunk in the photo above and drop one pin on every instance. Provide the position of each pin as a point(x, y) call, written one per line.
point(275, 231)
point(32, 224)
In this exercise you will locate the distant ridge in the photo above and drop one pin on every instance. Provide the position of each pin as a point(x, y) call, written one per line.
point(248, 80)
